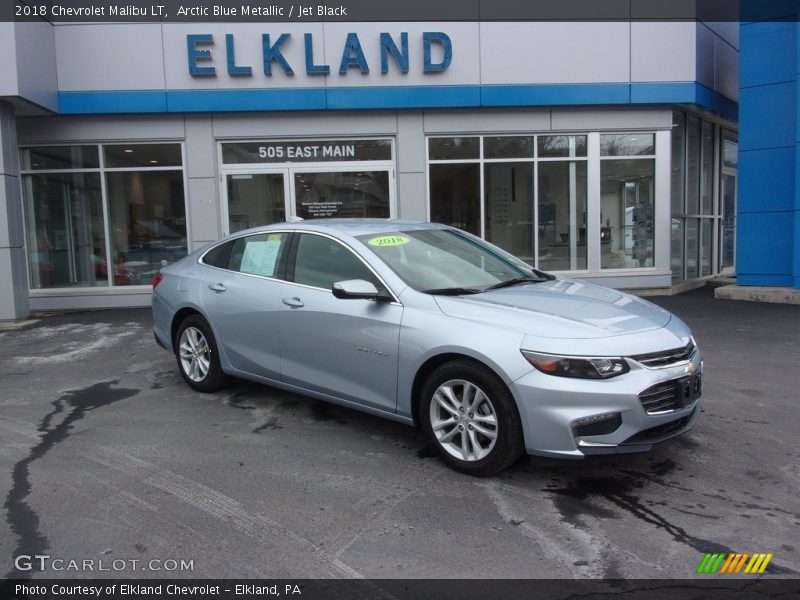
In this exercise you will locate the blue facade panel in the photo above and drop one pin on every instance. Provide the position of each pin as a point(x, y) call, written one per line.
point(768, 115)
point(767, 57)
point(755, 194)
point(768, 222)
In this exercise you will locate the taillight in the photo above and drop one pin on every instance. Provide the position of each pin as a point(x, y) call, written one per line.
point(157, 279)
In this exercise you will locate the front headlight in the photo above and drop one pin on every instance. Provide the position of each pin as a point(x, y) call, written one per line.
point(583, 367)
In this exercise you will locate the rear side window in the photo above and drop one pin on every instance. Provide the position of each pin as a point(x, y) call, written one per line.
point(321, 262)
point(255, 254)
point(219, 255)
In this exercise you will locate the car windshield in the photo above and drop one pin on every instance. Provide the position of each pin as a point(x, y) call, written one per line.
point(447, 261)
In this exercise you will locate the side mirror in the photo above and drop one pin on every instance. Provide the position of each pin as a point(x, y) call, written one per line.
point(358, 289)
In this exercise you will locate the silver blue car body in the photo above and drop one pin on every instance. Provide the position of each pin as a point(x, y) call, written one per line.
point(374, 355)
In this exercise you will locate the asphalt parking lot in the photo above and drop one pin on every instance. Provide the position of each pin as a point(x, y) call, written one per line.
point(105, 454)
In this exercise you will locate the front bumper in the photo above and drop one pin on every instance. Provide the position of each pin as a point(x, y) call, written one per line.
point(552, 408)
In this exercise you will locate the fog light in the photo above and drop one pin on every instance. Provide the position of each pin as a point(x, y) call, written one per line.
point(597, 425)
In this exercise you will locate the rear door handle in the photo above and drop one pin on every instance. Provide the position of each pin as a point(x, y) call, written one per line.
point(293, 302)
point(217, 287)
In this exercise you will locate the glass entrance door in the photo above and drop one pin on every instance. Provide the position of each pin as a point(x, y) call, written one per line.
point(255, 199)
point(342, 194)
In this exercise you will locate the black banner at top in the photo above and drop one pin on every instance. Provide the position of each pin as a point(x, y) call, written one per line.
point(199, 11)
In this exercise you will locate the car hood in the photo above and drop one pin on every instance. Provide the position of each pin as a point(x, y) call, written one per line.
point(562, 308)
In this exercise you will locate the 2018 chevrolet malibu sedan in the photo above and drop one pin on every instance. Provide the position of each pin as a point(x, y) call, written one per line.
point(429, 325)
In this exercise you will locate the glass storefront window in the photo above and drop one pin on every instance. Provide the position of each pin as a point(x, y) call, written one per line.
point(706, 239)
point(508, 147)
point(142, 155)
point(562, 216)
point(455, 196)
point(678, 168)
point(730, 154)
point(693, 166)
point(692, 248)
point(561, 146)
point(65, 233)
point(676, 249)
point(147, 222)
point(52, 158)
point(631, 144)
point(508, 189)
point(707, 172)
point(453, 148)
point(627, 215)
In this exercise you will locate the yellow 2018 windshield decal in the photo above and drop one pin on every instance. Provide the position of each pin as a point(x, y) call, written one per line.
point(389, 240)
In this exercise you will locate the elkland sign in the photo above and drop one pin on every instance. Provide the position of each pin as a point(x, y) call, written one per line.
point(436, 48)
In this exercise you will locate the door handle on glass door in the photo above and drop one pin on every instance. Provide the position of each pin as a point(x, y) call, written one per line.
point(293, 302)
point(217, 287)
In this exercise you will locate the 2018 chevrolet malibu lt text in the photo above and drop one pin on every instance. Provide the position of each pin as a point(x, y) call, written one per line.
point(428, 325)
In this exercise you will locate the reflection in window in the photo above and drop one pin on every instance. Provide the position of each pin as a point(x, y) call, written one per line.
point(64, 223)
point(693, 167)
point(509, 207)
point(50, 158)
point(676, 249)
point(455, 196)
point(678, 153)
point(627, 213)
point(508, 147)
point(707, 173)
point(562, 216)
point(632, 144)
point(147, 221)
point(562, 146)
point(453, 148)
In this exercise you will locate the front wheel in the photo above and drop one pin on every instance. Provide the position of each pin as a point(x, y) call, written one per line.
point(197, 355)
point(471, 419)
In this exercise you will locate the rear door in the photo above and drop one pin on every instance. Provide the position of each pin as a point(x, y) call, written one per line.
point(241, 300)
point(344, 348)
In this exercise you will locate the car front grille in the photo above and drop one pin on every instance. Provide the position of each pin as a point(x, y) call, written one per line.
point(660, 398)
point(671, 395)
point(666, 357)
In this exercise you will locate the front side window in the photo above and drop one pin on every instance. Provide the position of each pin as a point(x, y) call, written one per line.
point(322, 261)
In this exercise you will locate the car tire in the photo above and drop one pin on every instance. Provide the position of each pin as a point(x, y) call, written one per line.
point(470, 418)
point(197, 355)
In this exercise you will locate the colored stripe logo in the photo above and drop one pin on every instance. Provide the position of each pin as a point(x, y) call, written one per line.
point(735, 563)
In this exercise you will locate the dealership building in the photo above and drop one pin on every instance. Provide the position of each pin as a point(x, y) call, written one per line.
point(606, 151)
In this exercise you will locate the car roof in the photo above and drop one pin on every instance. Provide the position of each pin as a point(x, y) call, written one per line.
point(354, 227)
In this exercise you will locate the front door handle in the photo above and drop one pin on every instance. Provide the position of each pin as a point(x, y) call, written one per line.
point(217, 287)
point(293, 302)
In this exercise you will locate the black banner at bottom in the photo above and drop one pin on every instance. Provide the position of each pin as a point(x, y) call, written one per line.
point(732, 588)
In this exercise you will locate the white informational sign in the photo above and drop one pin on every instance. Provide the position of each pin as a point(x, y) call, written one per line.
point(260, 257)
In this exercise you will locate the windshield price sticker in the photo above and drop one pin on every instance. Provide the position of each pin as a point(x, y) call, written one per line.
point(389, 240)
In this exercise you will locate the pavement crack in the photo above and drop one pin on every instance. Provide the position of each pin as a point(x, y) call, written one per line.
point(21, 517)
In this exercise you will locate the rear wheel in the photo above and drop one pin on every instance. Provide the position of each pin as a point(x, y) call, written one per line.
point(197, 355)
point(470, 418)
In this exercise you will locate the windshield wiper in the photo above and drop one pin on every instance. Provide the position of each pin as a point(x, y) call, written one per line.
point(516, 281)
point(451, 291)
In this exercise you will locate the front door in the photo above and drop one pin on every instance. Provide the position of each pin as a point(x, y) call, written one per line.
point(342, 348)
